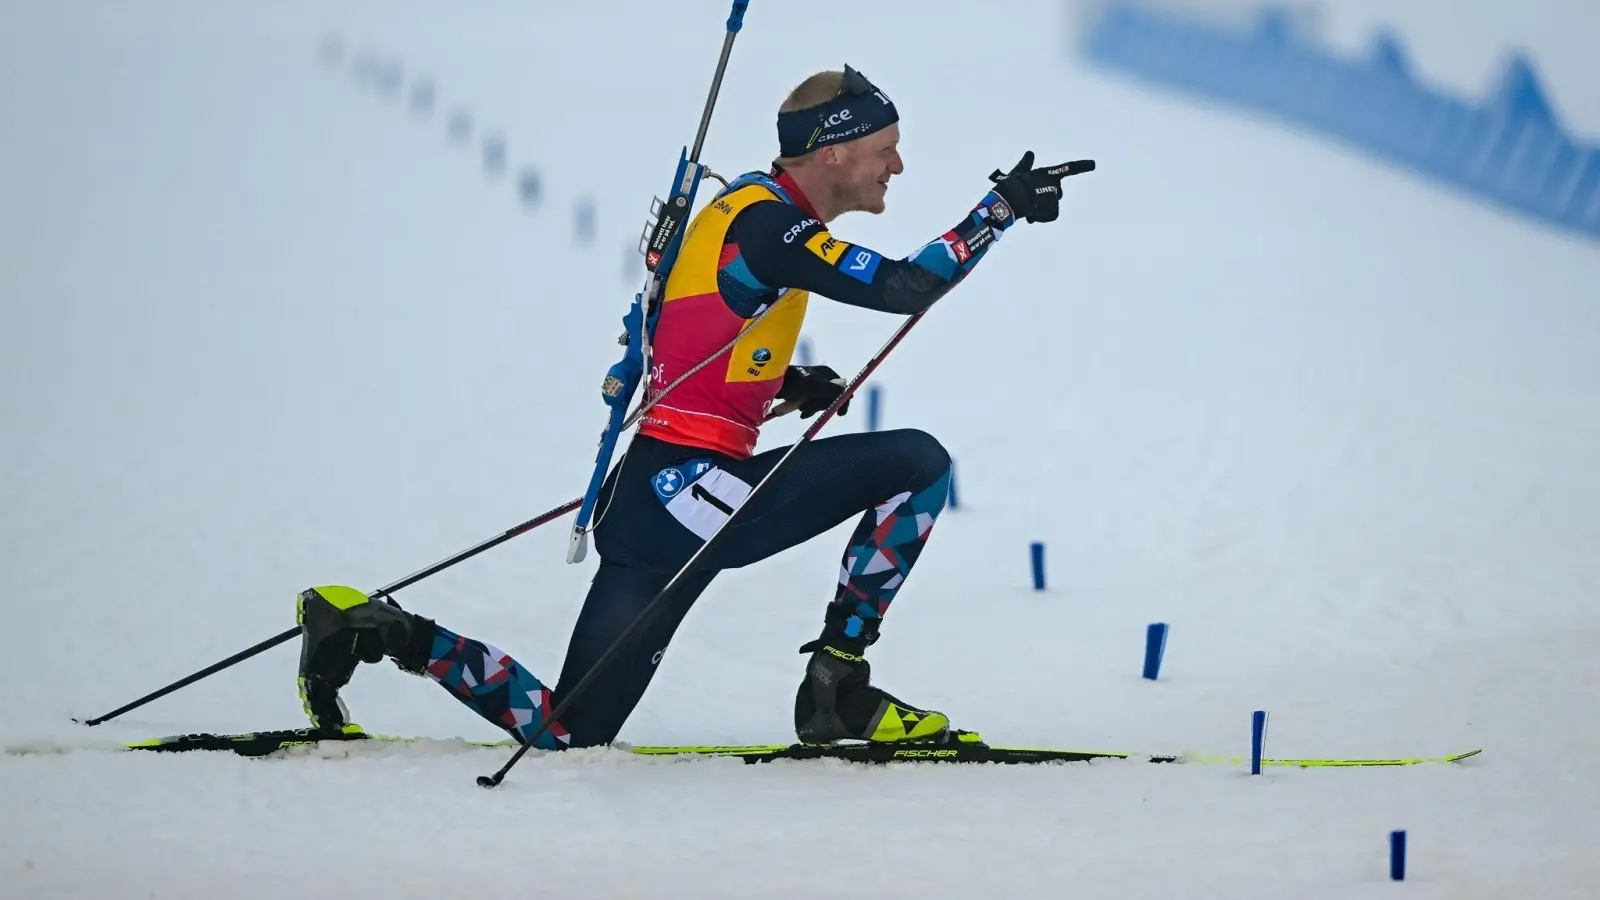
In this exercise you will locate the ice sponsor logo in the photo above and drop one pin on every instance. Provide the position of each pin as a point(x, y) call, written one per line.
point(838, 118)
point(792, 233)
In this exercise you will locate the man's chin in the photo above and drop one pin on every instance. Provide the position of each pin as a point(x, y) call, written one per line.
point(872, 203)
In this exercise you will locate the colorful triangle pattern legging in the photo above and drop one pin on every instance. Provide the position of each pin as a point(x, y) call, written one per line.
point(655, 511)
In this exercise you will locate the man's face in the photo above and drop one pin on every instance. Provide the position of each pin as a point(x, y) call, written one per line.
point(862, 168)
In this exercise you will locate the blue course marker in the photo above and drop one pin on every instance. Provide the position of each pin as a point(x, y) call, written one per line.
point(330, 50)
point(953, 501)
point(530, 187)
point(1155, 646)
point(1036, 550)
point(874, 407)
point(422, 97)
point(583, 220)
point(1258, 739)
point(460, 124)
point(494, 154)
point(1397, 855)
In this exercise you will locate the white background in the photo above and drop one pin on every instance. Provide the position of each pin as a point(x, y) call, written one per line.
point(264, 326)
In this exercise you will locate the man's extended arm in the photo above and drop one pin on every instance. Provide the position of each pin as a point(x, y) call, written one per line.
point(783, 247)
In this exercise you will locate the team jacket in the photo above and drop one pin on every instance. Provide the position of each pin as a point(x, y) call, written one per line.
point(760, 245)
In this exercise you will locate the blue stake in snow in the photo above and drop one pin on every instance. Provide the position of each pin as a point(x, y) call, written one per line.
point(1397, 855)
point(389, 76)
point(530, 187)
point(802, 352)
point(1036, 549)
point(874, 406)
point(952, 502)
point(631, 263)
point(583, 220)
point(330, 50)
point(494, 154)
point(422, 97)
point(1155, 645)
point(1258, 739)
point(460, 124)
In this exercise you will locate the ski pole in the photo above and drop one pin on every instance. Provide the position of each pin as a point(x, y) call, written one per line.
point(384, 591)
point(489, 781)
point(781, 409)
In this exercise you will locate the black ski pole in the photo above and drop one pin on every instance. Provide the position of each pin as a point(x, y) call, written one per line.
point(676, 583)
point(384, 591)
point(289, 634)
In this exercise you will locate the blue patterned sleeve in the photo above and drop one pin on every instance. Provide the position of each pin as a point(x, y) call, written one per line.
point(780, 246)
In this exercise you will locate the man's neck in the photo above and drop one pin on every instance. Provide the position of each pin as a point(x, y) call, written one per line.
point(815, 194)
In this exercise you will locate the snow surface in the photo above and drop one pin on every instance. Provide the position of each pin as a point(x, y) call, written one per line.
point(264, 327)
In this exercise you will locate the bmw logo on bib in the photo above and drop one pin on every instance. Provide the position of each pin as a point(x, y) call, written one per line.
point(668, 482)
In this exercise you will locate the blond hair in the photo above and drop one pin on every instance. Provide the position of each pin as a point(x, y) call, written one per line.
point(814, 91)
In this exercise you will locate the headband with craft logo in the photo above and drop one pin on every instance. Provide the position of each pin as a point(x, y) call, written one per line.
point(856, 111)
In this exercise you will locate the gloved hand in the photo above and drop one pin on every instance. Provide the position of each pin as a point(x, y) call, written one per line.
point(813, 387)
point(1035, 194)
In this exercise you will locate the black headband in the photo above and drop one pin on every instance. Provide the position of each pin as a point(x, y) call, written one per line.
point(856, 111)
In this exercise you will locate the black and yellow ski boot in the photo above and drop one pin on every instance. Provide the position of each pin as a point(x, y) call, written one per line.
point(836, 701)
point(340, 628)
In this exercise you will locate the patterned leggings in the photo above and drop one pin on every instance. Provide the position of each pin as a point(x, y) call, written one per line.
point(657, 508)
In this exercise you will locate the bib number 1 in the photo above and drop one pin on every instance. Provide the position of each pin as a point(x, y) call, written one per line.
point(700, 496)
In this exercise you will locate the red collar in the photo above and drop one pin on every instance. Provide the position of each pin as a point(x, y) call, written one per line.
point(798, 196)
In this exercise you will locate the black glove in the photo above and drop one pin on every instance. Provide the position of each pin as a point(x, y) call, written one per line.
point(813, 387)
point(1035, 194)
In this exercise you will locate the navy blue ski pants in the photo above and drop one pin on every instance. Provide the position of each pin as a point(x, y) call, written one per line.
point(663, 501)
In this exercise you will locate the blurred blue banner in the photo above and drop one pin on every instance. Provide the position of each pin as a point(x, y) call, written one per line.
point(1508, 149)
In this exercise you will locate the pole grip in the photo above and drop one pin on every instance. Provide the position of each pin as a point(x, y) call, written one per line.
point(736, 18)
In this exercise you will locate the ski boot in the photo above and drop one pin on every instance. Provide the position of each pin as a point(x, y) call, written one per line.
point(837, 702)
point(340, 628)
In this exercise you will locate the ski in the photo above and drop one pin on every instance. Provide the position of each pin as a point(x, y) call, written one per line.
point(966, 750)
point(865, 752)
point(1329, 763)
point(266, 743)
